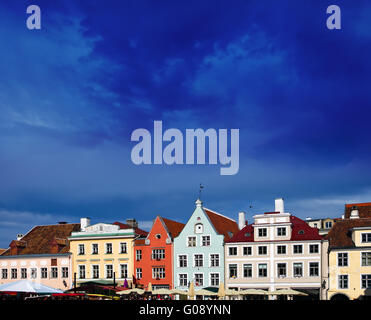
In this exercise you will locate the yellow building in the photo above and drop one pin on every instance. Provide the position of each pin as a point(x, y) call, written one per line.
point(103, 253)
point(350, 258)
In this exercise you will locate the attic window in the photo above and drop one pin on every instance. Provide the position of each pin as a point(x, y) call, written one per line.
point(301, 232)
point(158, 236)
point(247, 234)
point(230, 234)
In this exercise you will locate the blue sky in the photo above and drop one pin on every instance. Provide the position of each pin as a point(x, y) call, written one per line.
point(72, 93)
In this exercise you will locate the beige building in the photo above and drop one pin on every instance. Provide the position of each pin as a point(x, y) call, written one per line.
point(278, 250)
point(103, 253)
point(350, 254)
point(323, 225)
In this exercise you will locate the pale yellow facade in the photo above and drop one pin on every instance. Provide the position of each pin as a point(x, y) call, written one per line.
point(103, 252)
point(350, 268)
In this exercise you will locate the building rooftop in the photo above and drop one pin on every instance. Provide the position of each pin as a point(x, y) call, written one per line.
point(301, 231)
point(364, 209)
point(173, 227)
point(340, 235)
point(136, 229)
point(50, 239)
point(222, 224)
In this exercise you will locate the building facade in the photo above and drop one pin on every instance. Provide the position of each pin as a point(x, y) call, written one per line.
point(104, 252)
point(153, 260)
point(350, 254)
point(42, 256)
point(199, 249)
point(323, 225)
point(276, 251)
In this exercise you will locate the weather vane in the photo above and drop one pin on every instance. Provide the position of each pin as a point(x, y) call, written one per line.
point(199, 193)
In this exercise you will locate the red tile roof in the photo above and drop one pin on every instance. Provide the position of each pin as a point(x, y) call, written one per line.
point(2, 251)
point(40, 240)
point(222, 224)
point(173, 227)
point(364, 209)
point(136, 230)
point(340, 235)
point(301, 231)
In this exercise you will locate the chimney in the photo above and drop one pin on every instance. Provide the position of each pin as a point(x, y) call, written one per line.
point(279, 206)
point(132, 223)
point(241, 220)
point(84, 222)
point(354, 214)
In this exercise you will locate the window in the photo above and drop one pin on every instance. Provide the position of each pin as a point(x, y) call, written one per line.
point(4, 274)
point(298, 269)
point(247, 251)
point(262, 232)
point(14, 274)
point(298, 248)
point(44, 273)
point(233, 271)
point(343, 281)
point(191, 242)
point(328, 224)
point(366, 237)
point(366, 259)
point(81, 249)
point(138, 254)
point(366, 281)
point(182, 261)
point(214, 279)
point(158, 254)
point(262, 250)
point(158, 236)
point(281, 269)
point(199, 279)
point(82, 272)
point(281, 249)
point(139, 273)
point(214, 260)
point(199, 228)
point(53, 262)
point(33, 273)
point(109, 271)
point(342, 259)
point(232, 251)
point(205, 241)
point(313, 248)
point(108, 248)
point(262, 267)
point(123, 271)
point(54, 273)
point(123, 247)
point(247, 270)
point(183, 280)
point(198, 259)
point(94, 248)
point(158, 273)
point(23, 273)
point(281, 232)
point(95, 272)
point(314, 269)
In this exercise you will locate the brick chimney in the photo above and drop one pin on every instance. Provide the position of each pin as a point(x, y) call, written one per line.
point(132, 223)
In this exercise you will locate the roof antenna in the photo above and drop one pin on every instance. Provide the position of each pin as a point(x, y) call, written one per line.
point(199, 192)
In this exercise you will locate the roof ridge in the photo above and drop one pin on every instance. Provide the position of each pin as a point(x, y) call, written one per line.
point(222, 215)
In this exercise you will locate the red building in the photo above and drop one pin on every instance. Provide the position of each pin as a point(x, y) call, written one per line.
point(153, 256)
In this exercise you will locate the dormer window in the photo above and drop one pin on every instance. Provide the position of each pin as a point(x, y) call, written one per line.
point(199, 228)
point(301, 232)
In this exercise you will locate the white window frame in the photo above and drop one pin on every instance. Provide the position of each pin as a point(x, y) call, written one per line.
point(217, 254)
point(215, 273)
point(178, 260)
point(202, 240)
point(232, 247)
point(127, 270)
point(187, 241)
point(194, 260)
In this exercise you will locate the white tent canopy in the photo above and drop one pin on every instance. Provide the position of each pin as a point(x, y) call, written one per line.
point(29, 287)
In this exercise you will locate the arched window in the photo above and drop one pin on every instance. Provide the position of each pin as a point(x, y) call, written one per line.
point(199, 228)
